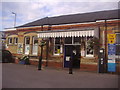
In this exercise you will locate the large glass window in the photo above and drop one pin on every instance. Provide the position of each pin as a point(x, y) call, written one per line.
point(72, 40)
point(57, 46)
point(68, 40)
point(76, 40)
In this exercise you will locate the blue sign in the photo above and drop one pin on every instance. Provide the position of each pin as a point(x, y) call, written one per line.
point(111, 57)
point(111, 49)
point(111, 52)
point(111, 67)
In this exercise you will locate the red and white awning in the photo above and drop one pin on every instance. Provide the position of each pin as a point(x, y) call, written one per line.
point(66, 34)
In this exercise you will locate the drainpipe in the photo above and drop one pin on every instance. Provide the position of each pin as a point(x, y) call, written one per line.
point(47, 48)
point(40, 57)
point(47, 43)
point(105, 33)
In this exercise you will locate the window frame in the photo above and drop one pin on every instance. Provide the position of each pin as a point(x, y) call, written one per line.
point(26, 45)
point(10, 42)
point(86, 43)
point(33, 45)
point(15, 39)
point(26, 39)
point(61, 47)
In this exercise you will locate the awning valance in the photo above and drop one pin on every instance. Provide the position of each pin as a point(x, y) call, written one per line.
point(66, 34)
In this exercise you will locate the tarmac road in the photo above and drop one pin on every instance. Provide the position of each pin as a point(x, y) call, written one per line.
point(27, 76)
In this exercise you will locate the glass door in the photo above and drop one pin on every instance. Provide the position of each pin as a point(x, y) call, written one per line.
point(72, 52)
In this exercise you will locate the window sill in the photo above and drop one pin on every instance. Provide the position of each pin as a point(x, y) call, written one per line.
point(89, 57)
point(56, 54)
point(91, 63)
point(60, 55)
point(10, 44)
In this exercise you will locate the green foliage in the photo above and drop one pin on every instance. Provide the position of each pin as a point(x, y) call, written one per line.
point(93, 44)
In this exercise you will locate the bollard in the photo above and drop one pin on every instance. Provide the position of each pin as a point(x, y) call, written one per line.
point(40, 59)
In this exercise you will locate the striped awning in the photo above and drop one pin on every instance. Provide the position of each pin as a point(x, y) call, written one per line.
point(66, 34)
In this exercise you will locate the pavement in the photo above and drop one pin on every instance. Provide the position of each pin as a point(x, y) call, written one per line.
point(27, 76)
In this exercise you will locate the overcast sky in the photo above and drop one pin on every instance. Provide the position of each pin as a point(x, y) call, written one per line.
point(31, 10)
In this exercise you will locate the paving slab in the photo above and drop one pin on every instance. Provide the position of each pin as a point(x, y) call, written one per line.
point(27, 76)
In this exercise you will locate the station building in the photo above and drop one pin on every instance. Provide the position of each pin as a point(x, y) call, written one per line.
point(82, 34)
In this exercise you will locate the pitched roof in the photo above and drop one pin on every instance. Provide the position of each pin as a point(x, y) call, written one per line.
point(75, 18)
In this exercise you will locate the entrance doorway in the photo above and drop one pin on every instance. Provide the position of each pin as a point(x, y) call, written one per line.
point(68, 53)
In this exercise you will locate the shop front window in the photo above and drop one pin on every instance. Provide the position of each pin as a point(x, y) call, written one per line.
point(68, 40)
point(57, 46)
point(72, 40)
point(89, 47)
point(76, 40)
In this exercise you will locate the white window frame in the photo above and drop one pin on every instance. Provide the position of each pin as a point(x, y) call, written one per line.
point(25, 40)
point(10, 42)
point(61, 49)
point(15, 39)
point(34, 45)
point(27, 45)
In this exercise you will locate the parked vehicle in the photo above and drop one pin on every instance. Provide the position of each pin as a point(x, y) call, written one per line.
point(7, 57)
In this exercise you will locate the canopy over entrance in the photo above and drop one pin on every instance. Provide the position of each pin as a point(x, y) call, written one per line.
point(66, 34)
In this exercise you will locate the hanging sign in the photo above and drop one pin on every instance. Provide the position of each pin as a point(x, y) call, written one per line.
point(111, 38)
point(111, 49)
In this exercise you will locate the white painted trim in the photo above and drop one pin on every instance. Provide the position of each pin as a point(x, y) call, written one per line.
point(15, 40)
point(9, 40)
point(107, 20)
point(67, 34)
point(34, 47)
point(8, 29)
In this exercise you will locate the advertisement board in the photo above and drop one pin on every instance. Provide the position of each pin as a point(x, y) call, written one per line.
point(20, 48)
point(111, 52)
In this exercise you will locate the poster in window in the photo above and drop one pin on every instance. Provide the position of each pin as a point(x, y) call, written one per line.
point(20, 48)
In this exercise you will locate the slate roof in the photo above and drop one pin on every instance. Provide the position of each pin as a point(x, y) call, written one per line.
point(75, 18)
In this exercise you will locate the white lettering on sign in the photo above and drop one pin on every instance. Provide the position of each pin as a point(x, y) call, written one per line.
point(67, 58)
point(111, 61)
point(111, 57)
